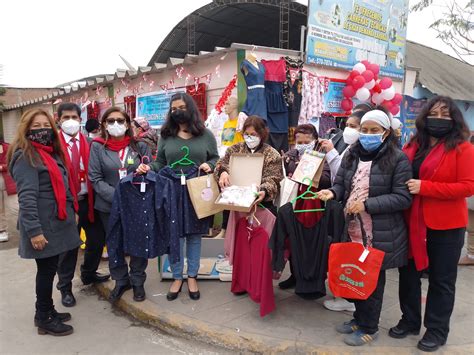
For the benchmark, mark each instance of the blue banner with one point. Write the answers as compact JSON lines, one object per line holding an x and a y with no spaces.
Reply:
{"x":342,"y":33}
{"x":154,"y":106}
{"x":333,"y":96}
{"x":409,"y":110}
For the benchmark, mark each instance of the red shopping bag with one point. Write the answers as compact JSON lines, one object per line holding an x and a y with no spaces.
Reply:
{"x":354,"y":269}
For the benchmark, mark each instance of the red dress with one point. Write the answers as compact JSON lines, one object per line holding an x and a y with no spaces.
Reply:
{"x":252,"y":269}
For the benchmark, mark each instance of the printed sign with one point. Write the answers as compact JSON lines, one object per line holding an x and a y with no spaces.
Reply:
{"x":342,"y":33}
{"x":333,"y":96}
{"x":154,"y":106}
{"x":409,"y":110}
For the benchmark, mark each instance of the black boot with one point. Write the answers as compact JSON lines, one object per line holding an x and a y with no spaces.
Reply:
{"x":288,"y":283}
{"x":47,"y":324}
{"x":62,"y":316}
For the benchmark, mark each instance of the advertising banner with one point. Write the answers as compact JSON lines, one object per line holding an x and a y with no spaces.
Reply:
{"x":342,"y":33}
{"x":333,"y":96}
{"x":154,"y":106}
{"x":409,"y":110}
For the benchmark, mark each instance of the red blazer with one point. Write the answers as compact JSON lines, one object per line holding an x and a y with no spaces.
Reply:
{"x":444,"y":196}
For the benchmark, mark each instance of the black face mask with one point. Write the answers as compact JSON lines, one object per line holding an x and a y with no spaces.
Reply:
{"x":42,"y":136}
{"x":180,"y":116}
{"x":438,"y":127}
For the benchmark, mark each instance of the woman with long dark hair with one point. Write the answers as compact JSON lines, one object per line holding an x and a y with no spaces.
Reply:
{"x":443,"y":176}
{"x":371,"y":185}
{"x":47,"y":207}
{"x":112,"y":156}
{"x":184,"y":127}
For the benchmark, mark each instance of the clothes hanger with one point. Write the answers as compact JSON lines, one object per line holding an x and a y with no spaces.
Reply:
{"x":135,"y":174}
{"x":184,"y":160}
{"x":307,"y":195}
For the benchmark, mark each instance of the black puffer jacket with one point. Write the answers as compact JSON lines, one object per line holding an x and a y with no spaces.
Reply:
{"x":388,"y":197}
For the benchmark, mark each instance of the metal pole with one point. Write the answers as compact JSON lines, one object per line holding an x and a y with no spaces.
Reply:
{"x":302,"y":36}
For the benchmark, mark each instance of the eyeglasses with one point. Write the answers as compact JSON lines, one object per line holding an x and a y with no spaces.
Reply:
{"x":113,"y":120}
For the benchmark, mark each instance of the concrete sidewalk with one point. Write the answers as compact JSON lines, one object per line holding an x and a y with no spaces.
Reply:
{"x":296,"y":326}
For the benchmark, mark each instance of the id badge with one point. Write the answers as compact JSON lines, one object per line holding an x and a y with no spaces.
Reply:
{"x":130,"y":161}
{"x":122,"y":173}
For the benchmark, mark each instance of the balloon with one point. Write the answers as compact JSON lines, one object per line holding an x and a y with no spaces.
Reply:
{"x":389,"y":93}
{"x":368,"y":76}
{"x":388,"y":104}
{"x":374,"y":68}
{"x":366,"y":63}
{"x":353,"y":74}
{"x":385,"y":83}
{"x":349,"y":81}
{"x":359,"y":67}
{"x":358,"y":82}
{"x":348,"y":91}
{"x":377,"y":98}
{"x":370,"y":85}
{"x":347,"y":104}
{"x":377,"y":88}
{"x":363,"y":94}
{"x":395,"y":109}
{"x":397,"y":99}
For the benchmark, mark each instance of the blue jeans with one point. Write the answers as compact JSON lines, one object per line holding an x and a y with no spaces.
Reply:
{"x":193,"y":253}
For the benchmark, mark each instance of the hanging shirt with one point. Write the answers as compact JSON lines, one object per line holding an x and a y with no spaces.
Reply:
{"x":309,"y":245}
{"x":252,"y":271}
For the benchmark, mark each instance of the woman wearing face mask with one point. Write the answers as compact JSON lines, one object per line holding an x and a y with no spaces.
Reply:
{"x":112,"y":156}
{"x":184,"y":127}
{"x":371,"y":183}
{"x":255,"y":134}
{"x":46,"y":209}
{"x":144,"y":133}
{"x":443,"y":176}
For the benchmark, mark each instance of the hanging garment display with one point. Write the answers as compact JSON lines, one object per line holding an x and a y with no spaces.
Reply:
{"x":327,"y":122}
{"x":199,"y":97}
{"x":252,"y":270}
{"x":277,"y":111}
{"x":312,"y":98}
{"x":275,"y":70}
{"x":255,"y":78}
{"x":130,"y":105}
{"x":309,"y":246}
{"x":137,"y":224}
{"x":293,"y":94}
{"x":263,"y":215}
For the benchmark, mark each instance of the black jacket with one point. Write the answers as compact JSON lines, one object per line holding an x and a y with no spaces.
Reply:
{"x":388,"y":197}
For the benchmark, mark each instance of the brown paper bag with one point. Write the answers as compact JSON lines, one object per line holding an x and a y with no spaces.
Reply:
{"x":310,"y":168}
{"x":203,"y":191}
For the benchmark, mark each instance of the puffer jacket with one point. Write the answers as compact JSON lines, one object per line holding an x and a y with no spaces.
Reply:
{"x":388,"y":197}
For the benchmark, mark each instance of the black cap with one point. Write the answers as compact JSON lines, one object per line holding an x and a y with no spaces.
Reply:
{"x":91,"y":125}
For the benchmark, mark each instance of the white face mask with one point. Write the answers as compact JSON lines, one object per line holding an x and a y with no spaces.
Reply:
{"x":301,"y":148}
{"x":252,"y":141}
{"x":94,"y":135}
{"x":70,"y":127}
{"x":350,"y":135}
{"x":116,"y":129}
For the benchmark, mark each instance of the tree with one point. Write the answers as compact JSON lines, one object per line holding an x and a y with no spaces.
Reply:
{"x":455,"y":25}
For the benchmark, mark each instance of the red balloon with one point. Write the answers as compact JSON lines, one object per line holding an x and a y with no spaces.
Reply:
{"x":388,"y":104}
{"x":377,"y":89}
{"x":349,"y":81}
{"x":394,"y":109}
{"x":385,"y":83}
{"x":368,"y":75}
{"x":397,"y":99}
{"x":348,"y":91}
{"x":358,"y":82}
{"x":347,"y":104}
{"x":366,"y":63}
{"x":374,"y":68}
{"x":353,"y":74}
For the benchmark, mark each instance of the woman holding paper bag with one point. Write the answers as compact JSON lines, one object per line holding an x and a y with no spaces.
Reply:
{"x":371,"y":182}
{"x":184,"y":127}
{"x":255,"y":134}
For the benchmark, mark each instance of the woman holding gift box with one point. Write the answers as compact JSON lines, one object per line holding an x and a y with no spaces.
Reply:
{"x":371,"y":182}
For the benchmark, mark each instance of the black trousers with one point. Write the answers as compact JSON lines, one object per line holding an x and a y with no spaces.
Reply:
{"x":120,"y":273}
{"x":46,"y":270}
{"x":444,"y":249}
{"x":367,"y":313}
{"x":95,"y":242}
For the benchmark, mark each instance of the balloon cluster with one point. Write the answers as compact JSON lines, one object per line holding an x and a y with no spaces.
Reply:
{"x":363,"y":82}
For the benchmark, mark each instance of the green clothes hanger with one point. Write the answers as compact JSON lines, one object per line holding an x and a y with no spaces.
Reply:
{"x":184,"y":160}
{"x":307,"y":195}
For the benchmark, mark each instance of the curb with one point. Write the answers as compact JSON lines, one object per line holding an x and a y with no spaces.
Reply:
{"x":179,"y":325}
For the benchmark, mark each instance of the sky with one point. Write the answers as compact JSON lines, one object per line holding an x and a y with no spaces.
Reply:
{"x":45,"y":43}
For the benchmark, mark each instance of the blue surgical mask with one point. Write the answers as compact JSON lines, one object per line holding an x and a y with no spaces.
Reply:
{"x":370,"y":142}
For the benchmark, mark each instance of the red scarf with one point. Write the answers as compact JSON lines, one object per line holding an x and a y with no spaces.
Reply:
{"x":414,"y":216}
{"x":84,"y":153}
{"x":114,"y":145}
{"x":45,"y":153}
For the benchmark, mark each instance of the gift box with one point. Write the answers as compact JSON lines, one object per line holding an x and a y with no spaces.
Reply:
{"x":245,"y":174}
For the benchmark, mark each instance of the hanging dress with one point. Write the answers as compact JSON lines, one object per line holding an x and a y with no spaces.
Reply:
{"x":256,"y":103}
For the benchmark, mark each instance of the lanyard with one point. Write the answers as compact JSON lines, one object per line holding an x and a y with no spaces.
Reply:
{"x":122,"y":157}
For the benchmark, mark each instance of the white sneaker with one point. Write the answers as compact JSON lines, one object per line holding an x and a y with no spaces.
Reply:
{"x":339,"y":305}
{"x":3,"y":236}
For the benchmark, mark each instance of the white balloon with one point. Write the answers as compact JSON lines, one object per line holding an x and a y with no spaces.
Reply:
{"x":363,"y":94}
{"x":389,"y":93}
{"x":359,"y":67}
{"x":377,"y":98}
{"x":370,"y":84}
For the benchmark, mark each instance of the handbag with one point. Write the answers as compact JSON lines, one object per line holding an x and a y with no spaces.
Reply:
{"x":203,"y":191}
{"x":354,"y":268}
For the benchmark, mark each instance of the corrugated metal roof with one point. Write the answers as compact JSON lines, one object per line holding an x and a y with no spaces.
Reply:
{"x":440,"y":73}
